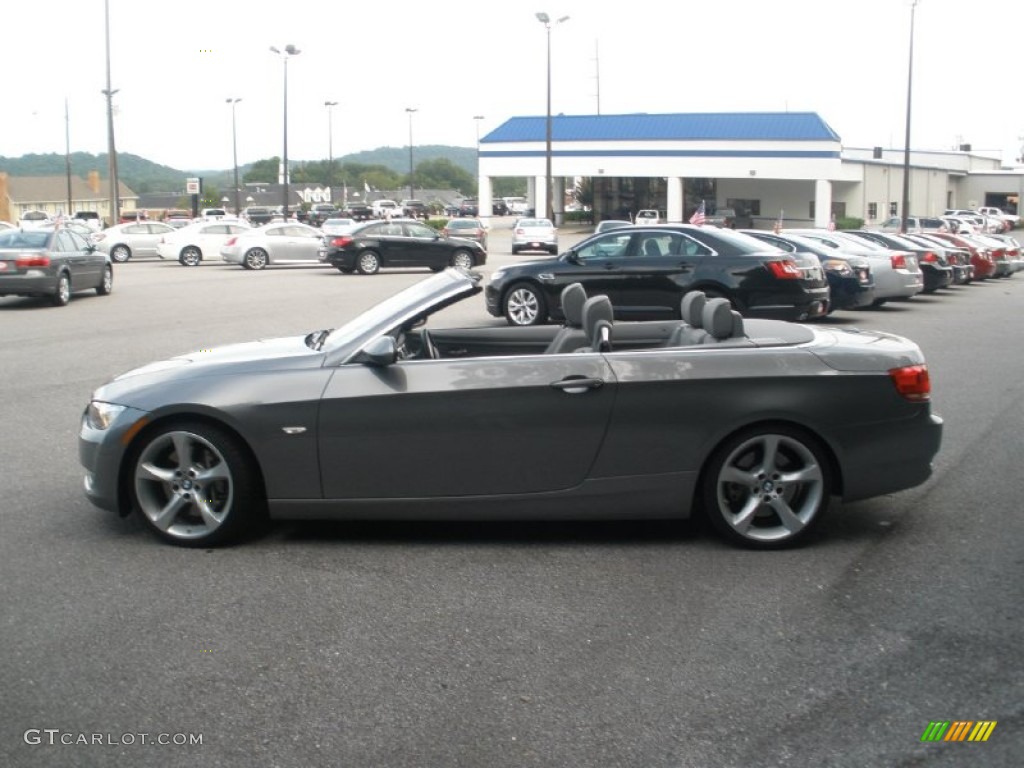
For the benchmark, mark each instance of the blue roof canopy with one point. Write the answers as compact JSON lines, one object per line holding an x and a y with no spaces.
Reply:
{"x":708,"y":126}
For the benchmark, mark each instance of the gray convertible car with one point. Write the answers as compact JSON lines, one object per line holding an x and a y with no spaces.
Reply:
{"x":755,"y":423}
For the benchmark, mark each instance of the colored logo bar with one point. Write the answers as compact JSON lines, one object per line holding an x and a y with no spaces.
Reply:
{"x":958,"y":730}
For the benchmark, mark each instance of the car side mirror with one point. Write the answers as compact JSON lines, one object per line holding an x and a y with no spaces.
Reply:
{"x":571,"y":256}
{"x":381,"y":352}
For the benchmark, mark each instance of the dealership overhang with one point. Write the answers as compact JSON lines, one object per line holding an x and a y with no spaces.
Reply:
{"x":669,"y":150}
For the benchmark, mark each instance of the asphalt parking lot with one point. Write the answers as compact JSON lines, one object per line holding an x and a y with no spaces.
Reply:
{"x":583,"y":644}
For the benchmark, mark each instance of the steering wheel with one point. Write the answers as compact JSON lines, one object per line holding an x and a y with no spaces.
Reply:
{"x":427,"y":343}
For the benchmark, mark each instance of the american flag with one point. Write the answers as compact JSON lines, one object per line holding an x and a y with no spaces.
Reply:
{"x":778,"y":223}
{"x":832,"y":223}
{"x":699,"y":216}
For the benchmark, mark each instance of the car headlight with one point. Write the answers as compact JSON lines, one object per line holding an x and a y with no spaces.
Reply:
{"x":100,"y":415}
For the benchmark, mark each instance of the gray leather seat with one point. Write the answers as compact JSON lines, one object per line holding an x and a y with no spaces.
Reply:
{"x":690,"y":331}
{"x":598,"y":318}
{"x":570,"y":336}
{"x":721,"y":322}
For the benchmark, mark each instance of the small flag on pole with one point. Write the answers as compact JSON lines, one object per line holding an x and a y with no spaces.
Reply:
{"x":699,"y":216}
{"x":778,"y":223}
{"x":832,"y":223}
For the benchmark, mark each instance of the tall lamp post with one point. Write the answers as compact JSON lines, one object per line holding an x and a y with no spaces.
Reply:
{"x":234,"y":154}
{"x":544,"y":19}
{"x":330,"y":142}
{"x":476,"y":120}
{"x":115,"y":205}
{"x":905,"y":204}
{"x":289,"y":51}
{"x":412,"y":184}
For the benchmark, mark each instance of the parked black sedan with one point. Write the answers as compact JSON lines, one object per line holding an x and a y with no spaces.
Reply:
{"x":53,"y":261}
{"x":646,"y":270}
{"x":850,"y":282}
{"x":399,"y":243}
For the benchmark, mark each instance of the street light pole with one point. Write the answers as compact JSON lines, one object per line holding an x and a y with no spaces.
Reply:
{"x":412,"y":184}
{"x":330,"y":142}
{"x":905,"y":204}
{"x":476,"y":120}
{"x":544,"y":19}
{"x":234,"y":153}
{"x":289,"y":51}
{"x":115,"y":205}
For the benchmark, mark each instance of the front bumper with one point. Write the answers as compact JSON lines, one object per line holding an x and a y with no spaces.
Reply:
{"x":101,"y":452}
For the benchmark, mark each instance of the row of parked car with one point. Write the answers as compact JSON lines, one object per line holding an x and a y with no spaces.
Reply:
{"x":789,"y":274}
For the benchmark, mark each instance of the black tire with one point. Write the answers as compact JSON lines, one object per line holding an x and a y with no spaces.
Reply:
{"x":515,"y":250}
{"x":524,"y":304}
{"x":255,"y":258}
{"x":190,"y":256}
{"x":368,"y":263}
{"x":106,"y":285}
{"x":120,"y":253}
{"x":62,"y":291}
{"x":463,"y":260}
{"x":878,"y":302}
{"x":204,"y":501}
{"x":784,"y":466}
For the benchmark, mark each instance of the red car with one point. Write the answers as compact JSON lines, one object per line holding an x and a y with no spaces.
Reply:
{"x":981,"y":256}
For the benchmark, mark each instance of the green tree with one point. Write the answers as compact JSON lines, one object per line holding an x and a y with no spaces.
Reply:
{"x":211,"y":197}
{"x":509,"y":187}
{"x":263,"y":171}
{"x":442,"y":173}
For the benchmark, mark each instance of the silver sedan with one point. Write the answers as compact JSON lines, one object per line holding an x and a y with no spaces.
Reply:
{"x":284,"y":243}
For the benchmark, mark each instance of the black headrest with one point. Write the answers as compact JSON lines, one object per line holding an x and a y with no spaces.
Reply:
{"x":573,"y":298}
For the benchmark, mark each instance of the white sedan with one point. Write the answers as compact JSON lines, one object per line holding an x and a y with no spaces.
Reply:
{"x":135,"y":238}
{"x":285,"y":243}
{"x":200,"y":240}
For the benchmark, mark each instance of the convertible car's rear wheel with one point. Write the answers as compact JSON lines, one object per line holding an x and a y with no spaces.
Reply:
{"x":194,"y":485}
{"x":525,"y":305}
{"x":767,"y":487}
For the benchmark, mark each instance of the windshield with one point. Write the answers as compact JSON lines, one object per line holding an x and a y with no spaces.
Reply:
{"x":399,"y":308}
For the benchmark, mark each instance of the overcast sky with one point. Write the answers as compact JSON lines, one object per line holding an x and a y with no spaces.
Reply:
{"x":175,"y":63}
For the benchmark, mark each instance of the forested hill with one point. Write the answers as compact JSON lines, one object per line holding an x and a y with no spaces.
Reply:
{"x":144,"y":176}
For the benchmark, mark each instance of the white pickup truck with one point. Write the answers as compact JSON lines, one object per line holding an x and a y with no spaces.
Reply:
{"x":386,"y":209}
{"x":998,"y":214}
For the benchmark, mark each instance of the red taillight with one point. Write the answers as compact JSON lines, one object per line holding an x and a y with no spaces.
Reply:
{"x":520,"y":231}
{"x":231,"y":241}
{"x":929,"y":257}
{"x":342,"y":241}
{"x":912,"y":382}
{"x":899,"y":261}
{"x":785,"y":269}
{"x":32,"y":260}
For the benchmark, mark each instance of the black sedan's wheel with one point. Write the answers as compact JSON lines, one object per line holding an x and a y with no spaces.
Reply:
{"x":256,"y":258}
{"x":190,"y":256}
{"x":525,"y":305}
{"x":107,"y":283}
{"x":368,"y":263}
{"x":120,"y":253}
{"x":767,"y":487}
{"x":193,"y":485}
{"x":462,"y":260}
{"x":62,"y":294}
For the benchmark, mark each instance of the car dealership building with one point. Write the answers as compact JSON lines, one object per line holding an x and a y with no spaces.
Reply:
{"x":765,"y":165}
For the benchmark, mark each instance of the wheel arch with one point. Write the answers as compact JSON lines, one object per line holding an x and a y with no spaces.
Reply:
{"x":834,"y":467}
{"x":169,"y":419}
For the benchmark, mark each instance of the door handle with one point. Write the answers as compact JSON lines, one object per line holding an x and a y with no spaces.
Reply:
{"x":576,"y":385}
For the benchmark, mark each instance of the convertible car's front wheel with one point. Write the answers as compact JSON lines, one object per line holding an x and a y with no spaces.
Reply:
{"x":193,"y":485}
{"x":767,"y":487}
